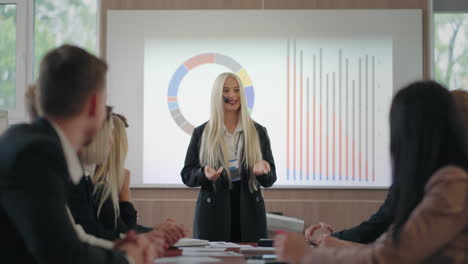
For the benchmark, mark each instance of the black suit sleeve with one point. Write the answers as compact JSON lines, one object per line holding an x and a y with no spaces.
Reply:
{"x":126,"y":221}
{"x":193,"y":174}
{"x":128,"y":216}
{"x":84,"y":210}
{"x":369,"y":230}
{"x":35,"y":203}
{"x":266,"y":180}
{"x":106,"y":220}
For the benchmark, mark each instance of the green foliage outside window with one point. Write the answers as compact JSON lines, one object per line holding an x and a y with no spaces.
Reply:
{"x":451,"y":50}
{"x":64,"y":21}
{"x":7,"y":56}
{"x":56,"y":22}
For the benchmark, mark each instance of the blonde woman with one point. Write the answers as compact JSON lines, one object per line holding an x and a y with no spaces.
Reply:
{"x":112,"y":189}
{"x":81,"y":201}
{"x":230,"y":158}
{"x":112,"y":182}
{"x":33,"y":110}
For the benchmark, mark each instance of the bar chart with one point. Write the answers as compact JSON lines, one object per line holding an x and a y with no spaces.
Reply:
{"x":330,"y":114}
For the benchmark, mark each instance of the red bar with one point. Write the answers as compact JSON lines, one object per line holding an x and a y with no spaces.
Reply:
{"x":347,"y":158}
{"x":326,"y":155}
{"x":294,"y":105}
{"x":172,"y":98}
{"x":367,"y":170}
{"x":360,"y":166}
{"x":333,"y":145}
{"x":320,"y":141}
{"x":339,"y":144}
{"x":353,"y":160}
{"x":307,"y":144}
{"x":313,"y":136}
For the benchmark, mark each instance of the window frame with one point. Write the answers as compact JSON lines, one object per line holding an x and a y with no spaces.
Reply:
{"x":24,"y":26}
{"x":25,"y":43}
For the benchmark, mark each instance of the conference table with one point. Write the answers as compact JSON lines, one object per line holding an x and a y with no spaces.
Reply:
{"x":251,"y":257}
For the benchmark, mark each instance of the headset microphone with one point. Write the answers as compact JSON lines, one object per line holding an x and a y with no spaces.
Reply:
{"x":226,"y":100}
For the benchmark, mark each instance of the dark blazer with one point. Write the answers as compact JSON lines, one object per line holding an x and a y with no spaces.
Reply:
{"x":369,"y":230}
{"x":213,"y":212}
{"x":83,"y":204}
{"x":34,"y":187}
{"x":84,"y":208}
{"x":126,"y":221}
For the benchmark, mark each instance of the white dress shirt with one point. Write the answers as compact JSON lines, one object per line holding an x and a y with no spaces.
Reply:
{"x":234,"y":144}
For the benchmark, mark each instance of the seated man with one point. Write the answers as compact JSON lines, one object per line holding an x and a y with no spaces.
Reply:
{"x":39,"y":164}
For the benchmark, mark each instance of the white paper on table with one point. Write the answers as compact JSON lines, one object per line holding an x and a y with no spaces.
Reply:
{"x":222,"y":244}
{"x":191,"y":242}
{"x":270,"y":256}
{"x":256,"y":261}
{"x":258,"y":250}
{"x":203,"y":249}
{"x":212,"y":254}
{"x":189,"y":260}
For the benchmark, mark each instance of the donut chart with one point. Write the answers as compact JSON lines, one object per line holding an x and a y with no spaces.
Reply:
{"x":193,"y":62}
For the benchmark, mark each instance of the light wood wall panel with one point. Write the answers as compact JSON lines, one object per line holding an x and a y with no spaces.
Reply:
{"x":341,"y":208}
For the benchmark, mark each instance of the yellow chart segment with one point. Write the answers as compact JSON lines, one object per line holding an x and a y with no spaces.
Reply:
{"x":244,"y":78}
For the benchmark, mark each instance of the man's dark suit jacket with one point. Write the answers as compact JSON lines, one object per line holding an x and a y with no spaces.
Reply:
{"x":369,"y":230}
{"x":34,"y":186}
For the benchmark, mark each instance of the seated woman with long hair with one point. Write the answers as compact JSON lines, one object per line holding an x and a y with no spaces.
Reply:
{"x":429,"y":160}
{"x":112,"y":188}
{"x":368,"y":231}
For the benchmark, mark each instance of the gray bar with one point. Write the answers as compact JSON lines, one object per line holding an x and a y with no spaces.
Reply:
{"x":360,"y":115}
{"x":346,"y":119}
{"x":373,"y":117}
{"x":367,"y":116}
{"x":313,"y":127}
{"x":327,"y":129}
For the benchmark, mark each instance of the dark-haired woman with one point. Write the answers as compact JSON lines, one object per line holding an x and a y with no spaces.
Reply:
{"x":430,"y":181}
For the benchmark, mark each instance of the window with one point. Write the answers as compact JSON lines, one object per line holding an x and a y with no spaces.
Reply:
{"x":30,"y":28}
{"x":7,"y":56}
{"x":13,"y":57}
{"x":450,"y":49}
{"x":450,"y":43}
{"x":57,"y":22}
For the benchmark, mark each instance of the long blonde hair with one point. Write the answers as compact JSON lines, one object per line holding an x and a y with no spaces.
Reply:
{"x":213,"y":150}
{"x":32,"y":103}
{"x":109,"y":176}
{"x":98,"y":151}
